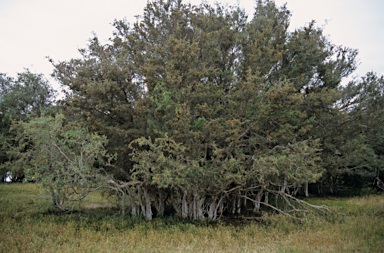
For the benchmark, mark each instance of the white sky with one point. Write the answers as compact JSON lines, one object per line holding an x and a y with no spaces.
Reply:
{"x":30,"y":30}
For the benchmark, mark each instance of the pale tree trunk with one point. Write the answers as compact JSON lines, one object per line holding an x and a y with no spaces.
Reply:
{"x":196,"y":206}
{"x":233,"y":204}
{"x":134,"y":207}
{"x":141,"y":201}
{"x":295,"y":190}
{"x":220,"y":207}
{"x":319,"y":187}
{"x":148,"y":210}
{"x":200,"y":204}
{"x":201,"y":211}
{"x":238,"y":210}
{"x":123,"y":197}
{"x":258,"y":197}
{"x":245,"y":201}
{"x":282,"y":187}
{"x":286,"y":188}
{"x":215,"y":208}
{"x":191,"y":207}
{"x":176,"y":205}
{"x":306,"y":193}
{"x":145,"y":204}
{"x":57,"y":199}
{"x":184,"y":205}
{"x":212,"y":211}
{"x":159,"y":202}
{"x":331,"y":185}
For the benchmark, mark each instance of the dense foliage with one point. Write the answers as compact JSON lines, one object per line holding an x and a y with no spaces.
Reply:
{"x":210,"y":109}
{"x":211,"y":112}
{"x":21,"y":98}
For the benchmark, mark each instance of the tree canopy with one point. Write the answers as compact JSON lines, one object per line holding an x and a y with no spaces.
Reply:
{"x":22,"y":98}
{"x":210,"y":111}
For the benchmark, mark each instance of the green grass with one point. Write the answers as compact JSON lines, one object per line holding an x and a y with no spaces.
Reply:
{"x":27,"y":224}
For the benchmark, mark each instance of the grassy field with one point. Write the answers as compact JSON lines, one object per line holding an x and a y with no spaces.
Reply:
{"x":27,"y":224}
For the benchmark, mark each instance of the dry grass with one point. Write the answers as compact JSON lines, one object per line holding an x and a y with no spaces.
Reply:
{"x":28,"y":225}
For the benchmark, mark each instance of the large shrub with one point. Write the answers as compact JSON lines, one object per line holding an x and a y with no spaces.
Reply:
{"x":63,"y":156}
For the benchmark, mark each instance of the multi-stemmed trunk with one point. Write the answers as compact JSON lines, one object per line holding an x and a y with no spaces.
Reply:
{"x":145,"y":203}
{"x":236,"y":204}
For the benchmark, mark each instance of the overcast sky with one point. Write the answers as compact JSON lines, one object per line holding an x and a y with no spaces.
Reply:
{"x":31,"y":30}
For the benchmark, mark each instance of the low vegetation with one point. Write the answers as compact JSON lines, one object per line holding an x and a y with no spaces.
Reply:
{"x":29,"y":224}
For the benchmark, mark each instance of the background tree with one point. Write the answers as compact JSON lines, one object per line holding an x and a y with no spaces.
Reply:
{"x":22,"y":98}
{"x":363,"y":100}
{"x":29,"y":93}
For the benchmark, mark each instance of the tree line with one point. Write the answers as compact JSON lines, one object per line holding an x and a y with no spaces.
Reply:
{"x":202,"y":111}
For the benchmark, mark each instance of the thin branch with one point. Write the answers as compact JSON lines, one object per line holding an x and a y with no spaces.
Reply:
{"x":274,"y":208}
{"x":54,"y":144}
